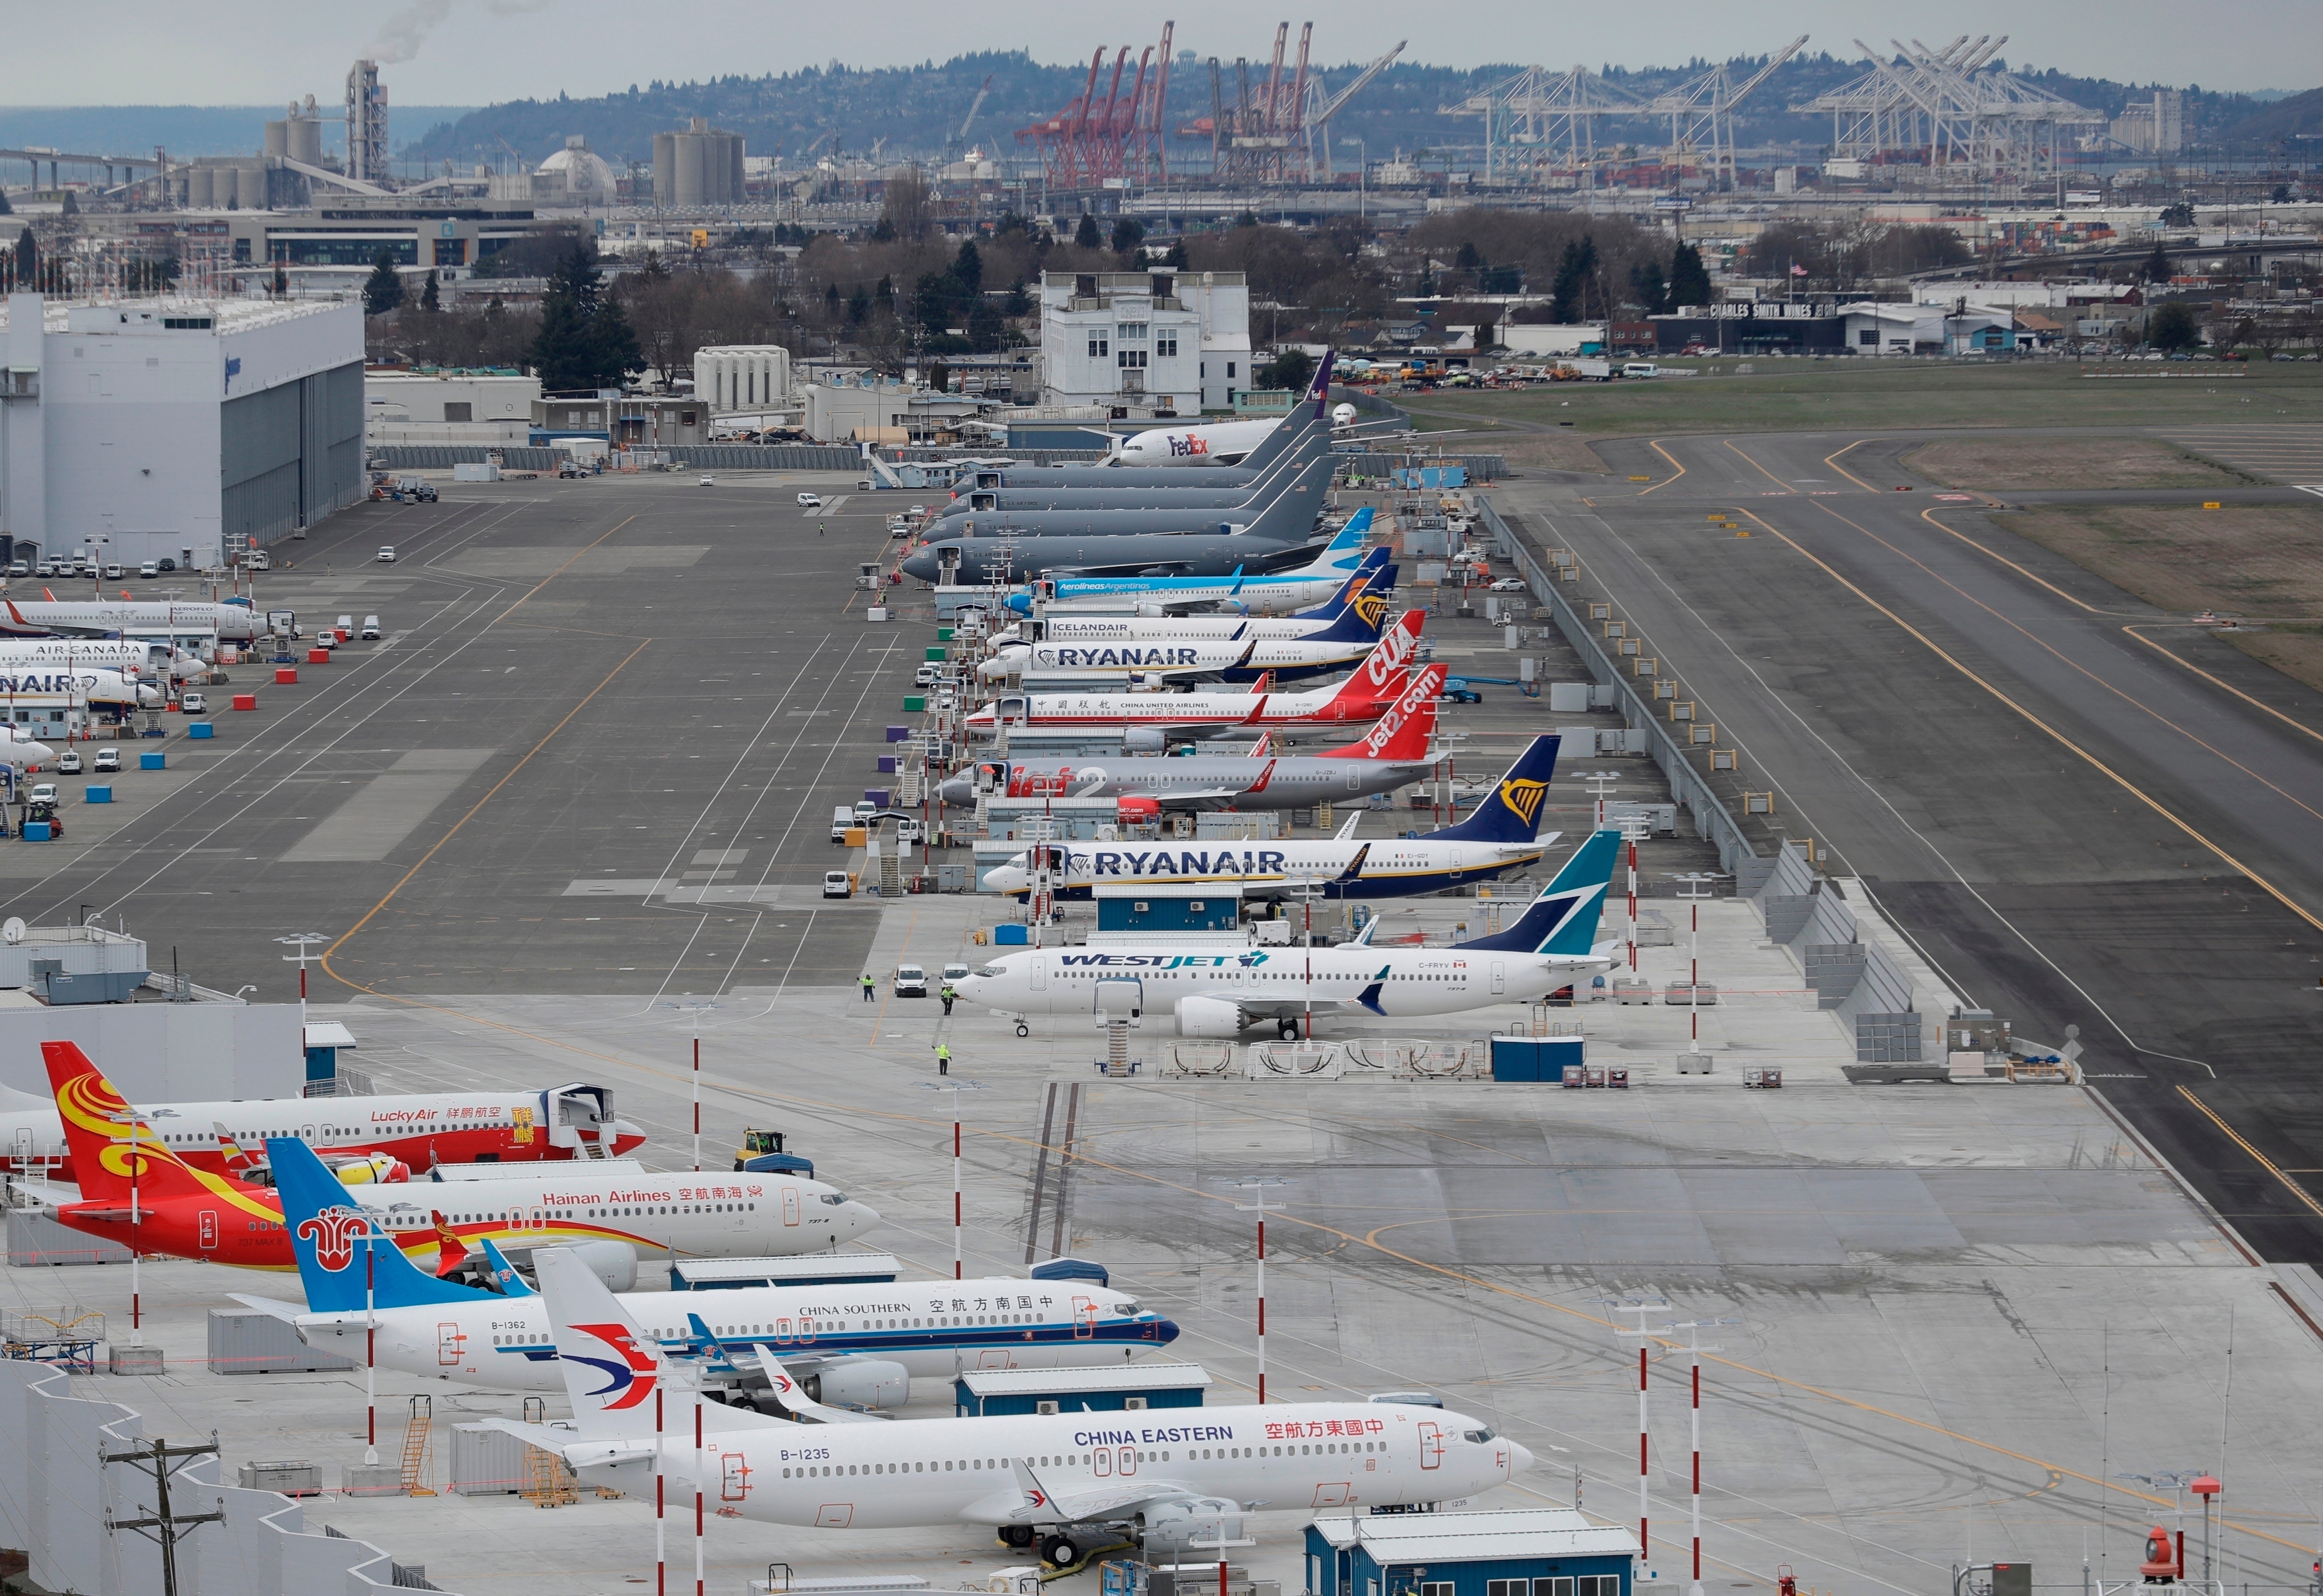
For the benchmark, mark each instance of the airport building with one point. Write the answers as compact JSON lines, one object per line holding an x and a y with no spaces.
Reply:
{"x":489,"y":408}
{"x":1144,"y":340}
{"x":162,"y":428}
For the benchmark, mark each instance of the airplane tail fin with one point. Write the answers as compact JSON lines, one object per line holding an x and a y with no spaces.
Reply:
{"x":450,"y":1252}
{"x":1564,"y":918}
{"x":1512,"y":813}
{"x":335,"y":1239}
{"x":610,"y":1367}
{"x":1344,"y":553}
{"x":1319,"y":390}
{"x":1380,"y":674}
{"x":504,"y":1272}
{"x":1289,"y":516}
{"x":1404,"y":733}
{"x":100,"y":1128}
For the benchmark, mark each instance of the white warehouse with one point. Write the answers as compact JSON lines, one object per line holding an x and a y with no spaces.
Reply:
{"x":1144,"y":340}
{"x":735,"y":377}
{"x":147,"y":429}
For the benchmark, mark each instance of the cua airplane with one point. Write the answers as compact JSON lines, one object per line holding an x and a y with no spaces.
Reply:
{"x":1223,"y":994}
{"x":1068,"y":1482}
{"x":850,"y":1342}
{"x":175,"y":1209}
{"x":1502,"y":835}
{"x":420,"y":1129}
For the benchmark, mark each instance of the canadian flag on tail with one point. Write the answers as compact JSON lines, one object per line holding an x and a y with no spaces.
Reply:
{"x":1406,"y":732}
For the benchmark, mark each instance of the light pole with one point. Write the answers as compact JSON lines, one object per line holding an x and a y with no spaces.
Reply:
{"x":1645,"y":1547}
{"x":1695,"y":1349}
{"x":955,"y":1086}
{"x":137,"y":1134}
{"x":304,"y":941}
{"x":696,"y":1006}
{"x":1694,"y":885}
{"x":1602,"y":783}
{"x":1260,"y":1186}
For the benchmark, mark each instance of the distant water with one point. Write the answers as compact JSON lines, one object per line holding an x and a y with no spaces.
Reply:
{"x":187,"y":131}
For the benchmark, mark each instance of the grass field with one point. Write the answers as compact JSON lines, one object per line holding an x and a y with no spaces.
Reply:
{"x":1834,"y":394}
{"x":2024,"y":463}
{"x":2263,"y":563}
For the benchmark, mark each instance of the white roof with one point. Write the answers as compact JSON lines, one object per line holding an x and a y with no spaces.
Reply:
{"x":1108,"y":1377}
{"x":528,"y":1170}
{"x":1195,"y":890}
{"x":1522,"y":1532}
{"x":328,"y":1033}
{"x":226,"y":315}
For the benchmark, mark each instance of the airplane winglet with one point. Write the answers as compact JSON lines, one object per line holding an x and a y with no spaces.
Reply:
{"x":1369,"y":997}
{"x":1037,"y":1499}
{"x":504,"y":1272}
{"x":1354,"y":870}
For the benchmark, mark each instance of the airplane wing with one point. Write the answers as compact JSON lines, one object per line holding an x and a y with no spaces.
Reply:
{"x":288,"y":1312}
{"x":1216,"y":798}
{"x":578,"y":1453}
{"x":1032,"y":1502}
{"x":1348,"y":830}
{"x":53,"y":1193}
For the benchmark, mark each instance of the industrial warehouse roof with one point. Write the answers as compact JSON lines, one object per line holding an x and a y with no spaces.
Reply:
{"x":1112,"y":1376}
{"x":225,"y":315}
{"x":1477,"y":1537}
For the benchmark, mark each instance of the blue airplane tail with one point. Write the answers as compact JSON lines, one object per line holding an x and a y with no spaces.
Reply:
{"x":1512,"y":813}
{"x":330,"y":1234}
{"x":1564,"y":918}
{"x":1344,"y":553}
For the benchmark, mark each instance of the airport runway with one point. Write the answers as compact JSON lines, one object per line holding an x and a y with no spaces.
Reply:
{"x":2021,"y":764}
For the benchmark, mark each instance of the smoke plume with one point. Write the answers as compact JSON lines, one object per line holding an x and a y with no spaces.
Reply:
{"x":401,"y":35}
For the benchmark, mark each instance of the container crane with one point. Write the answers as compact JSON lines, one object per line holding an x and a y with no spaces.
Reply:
{"x":1318,"y":121}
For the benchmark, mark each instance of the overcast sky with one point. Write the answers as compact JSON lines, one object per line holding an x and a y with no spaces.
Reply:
{"x":477,"y":51}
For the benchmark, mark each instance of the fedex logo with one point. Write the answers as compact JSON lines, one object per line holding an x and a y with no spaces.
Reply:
{"x":1187,"y":446}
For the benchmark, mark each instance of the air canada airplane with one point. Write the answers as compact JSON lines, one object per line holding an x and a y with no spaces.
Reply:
{"x":850,"y":1344}
{"x":1223,"y":993}
{"x":1068,"y":1481}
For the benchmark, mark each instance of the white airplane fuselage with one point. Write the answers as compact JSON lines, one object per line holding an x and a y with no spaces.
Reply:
{"x":1394,"y":866}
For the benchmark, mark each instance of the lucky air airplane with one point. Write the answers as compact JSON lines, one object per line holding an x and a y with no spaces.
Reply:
{"x":850,"y":1342}
{"x":189,"y":1213}
{"x":1368,"y":592}
{"x":1501,"y":835}
{"x":54,"y":618}
{"x":1333,"y":648}
{"x":1271,"y":594}
{"x":1068,"y":1481}
{"x":1219,"y":994}
{"x":421,"y":1129}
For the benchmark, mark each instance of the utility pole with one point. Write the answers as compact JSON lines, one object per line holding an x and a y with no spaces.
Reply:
{"x":696,"y":1006}
{"x":1260,"y":1184}
{"x":163,"y":1527}
{"x":955,"y":1086}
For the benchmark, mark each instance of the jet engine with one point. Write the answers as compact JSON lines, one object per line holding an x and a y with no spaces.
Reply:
{"x":860,"y":1383}
{"x":1343,"y":415}
{"x":1202,"y":1521}
{"x":613,"y":1262}
{"x":1143,"y":739}
{"x":1210,"y":1016}
{"x":379,"y":1169}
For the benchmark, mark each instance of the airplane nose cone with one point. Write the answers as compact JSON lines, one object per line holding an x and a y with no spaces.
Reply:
{"x":958,"y":793}
{"x":860,"y":1217}
{"x":1520,"y":1458}
{"x":1006,"y":878}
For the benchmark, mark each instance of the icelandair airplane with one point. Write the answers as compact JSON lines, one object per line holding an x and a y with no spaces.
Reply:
{"x":1502,"y":835}
{"x":850,"y":1342}
{"x":1219,"y":994}
{"x":420,"y":1129}
{"x":183,"y":1211}
{"x":1270,"y":594}
{"x":1068,"y":1481}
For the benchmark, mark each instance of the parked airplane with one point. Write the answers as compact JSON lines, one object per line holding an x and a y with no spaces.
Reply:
{"x":1501,"y":835}
{"x":859,"y":1342}
{"x":1218,"y":443}
{"x":1145,"y":720}
{"x":1236,"y":591}
{"x":56,"y":618}
{"x":1333,"y":648}
{"x":1225,"y":993}
{"x":1393,"y":752}
{"x":1214,"y":491}
{"x":1280,"y":507}
{"x":1368,"y":591}
{"x":1068,"y":1481}
{"x":71,"y":685}
{"x":1299,"y":430}
{"x":21,"y":750}
{"x":156,"y":661}
{"x":421,"y":1129}
{"x":176,"y":1209}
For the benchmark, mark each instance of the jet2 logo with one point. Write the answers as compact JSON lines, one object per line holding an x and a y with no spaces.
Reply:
{"x":333,"y":1233}
{"x":632,"y":1378}
{"x":1523,"y":797}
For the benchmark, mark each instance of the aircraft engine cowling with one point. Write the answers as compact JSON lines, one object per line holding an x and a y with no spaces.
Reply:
{"x":613,"y":1262}
{"x":1143,"y":739}
{"x":861,"y":1382}
{"x":1182,"y":1525}
{"x":1149,"y":610}
{"x":1210,"y":1016}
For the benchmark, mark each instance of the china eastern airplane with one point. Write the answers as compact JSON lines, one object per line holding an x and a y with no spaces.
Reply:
{"x":1219,"y":994}
{"x":1269,"y":593}
{"x":1069,"y":1482}
{"x":420,"y":1129}
{"x":64,"y":617}
{"x":1367,"y":591}
{"x":176,"y":1209}
{"x":850,"y":1342}
{"x":1501,"y":835}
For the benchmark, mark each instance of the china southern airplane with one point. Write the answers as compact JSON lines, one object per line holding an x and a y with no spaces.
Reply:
{"x":1502,"y":835}
{"x":849,"y":1343}
{"x":1223,"y":994}
{"x":1068,"y":1481}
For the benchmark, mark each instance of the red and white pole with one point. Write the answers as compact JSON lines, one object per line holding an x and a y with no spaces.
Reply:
{"x":1633,"y":907}
{"x":698,"y":1463}
{"x":697,"y":1092}
{"x":1262,"y":1303}
{"x":1644,"y":1547}
{"x":1693,"y":1023}
{"x":370,"y":1353}
{"x":661,"y":1504}
{"x":958,"y":1272}
{"x":1697,"y":1474}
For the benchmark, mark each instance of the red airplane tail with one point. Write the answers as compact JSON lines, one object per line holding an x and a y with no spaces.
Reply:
{"x":1406,"y":732}
{"x":1376,"y":679}
{"x":450,"y":1252}
{"x":107,"y":1138}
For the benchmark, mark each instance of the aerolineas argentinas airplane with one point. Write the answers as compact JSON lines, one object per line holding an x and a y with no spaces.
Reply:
{"x":1223,"y":994}
{"x":1070,"y":1482}
{"x":850,"y":1342}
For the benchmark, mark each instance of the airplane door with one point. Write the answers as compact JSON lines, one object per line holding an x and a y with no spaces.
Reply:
{"x":782,"y":1332}
{"x":790,"y":1205}
{"x":208,"y":1227}
{"x":1500,"y":976}
{"x":1431,"y":1445}
{"x":540,"y":1220}
{"x":1084,"y":1318}
{"x":23,"y":1153}
{"x":1040,"y":972}
{"x":451,"y":1344}
{"x":734,"y":1482}
{"x":1354,"y":778}
{"x":1104,"y":1456}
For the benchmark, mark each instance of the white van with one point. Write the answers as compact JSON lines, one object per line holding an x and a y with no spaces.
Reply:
{"x":842,"y":822}
{"x":1641,"y":367}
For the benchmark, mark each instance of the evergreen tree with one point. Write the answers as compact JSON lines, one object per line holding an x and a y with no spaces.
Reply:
{"x":883,"y":231}
{"x":1128,"y":233}
{"x":4,"y":210}
{"x":1689,"y":279}
{"x":429,"y":301}
{"x":282,"y":280}
{"x":884,"y":296}
{"x":1086,"y":235}
{"x":71,"y":206}
{"x":382,"y":290}
{"x":2157,"y":265}
{"x":2173,"y":327}
{"x":1019,"y":301}
{"x":939,"y":378}
{"x":968,"y":267}
{"x":585,"y":340}
{"x":859,"y":306}
{"x":615,"y":342}
{"x":1569,"y":296}
{"x":1175,"y":259}
{"x":28,"y":259}
{"x":1653,"y":294}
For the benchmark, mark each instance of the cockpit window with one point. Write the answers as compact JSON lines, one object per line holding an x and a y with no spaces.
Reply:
{"x":1479,"y":1436}
{"x":1128,"y":1309}
{"x":994,"y":970}
{"x":834,"y":1198}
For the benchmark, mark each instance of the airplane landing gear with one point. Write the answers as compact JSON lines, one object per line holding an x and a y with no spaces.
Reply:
{"x":1060,"y":1551}
{"x":1018,"y":1536}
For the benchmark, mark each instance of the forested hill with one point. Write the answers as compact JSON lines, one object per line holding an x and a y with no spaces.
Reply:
{"x":917,"y":110}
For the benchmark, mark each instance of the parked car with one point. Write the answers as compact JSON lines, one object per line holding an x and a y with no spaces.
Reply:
{"x":149,"y":568}
{"x":811,"y":500}
{"x":19,"y":568}
{"x":925,"y":676}
{"x":370,"y":627}
{"x":954,"y":973}
{"x":115,"y":573}
{"x":709,"y":481}
{"x":919,"y":512}
{"x":42,"y":792}
{"x":911,"y":981}
{"x":327,"y":638}
{"x":168,"y":566}
{"x":69,"y":762}
{"x":565,"y":468}
{"x":44,"y":569}
{"x":842,"y":822}
{"x":108,"y":759}
{"x":910,"y":830}
{"x":838,"y":883}
{"x":1508,"y":584}
{"x":258,"y":560}
{"x":387,"y":556}
{"x":192,"y":703}
{"x":418,"y":490}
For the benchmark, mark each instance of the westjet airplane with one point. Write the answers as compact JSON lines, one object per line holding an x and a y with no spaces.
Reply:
{"x":1223,"y":994}
{"x":1070,"y":1482}
{"x":848,"y":1343}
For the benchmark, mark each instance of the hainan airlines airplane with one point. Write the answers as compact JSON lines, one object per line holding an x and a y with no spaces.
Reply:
{"x":1225,"y":993}
{"x":1068,"y":1481}
{"x":850,"y":1342}
{"x":173,"y":1208}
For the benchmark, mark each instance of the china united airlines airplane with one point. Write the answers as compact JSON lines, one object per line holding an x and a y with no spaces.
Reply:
{"x":1068,"y":1482}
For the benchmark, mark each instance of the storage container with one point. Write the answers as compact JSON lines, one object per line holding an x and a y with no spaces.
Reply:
{"x":94,"y":793}
{"x":152,"y":759}
{"x":285,"y":675}
{"x":201,"y":730}
{"x":246,"y":1341}
{"x":486,"y":1462}
{"x":245,"y":701}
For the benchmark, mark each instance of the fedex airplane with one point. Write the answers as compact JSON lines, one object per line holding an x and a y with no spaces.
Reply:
{"x":1216,"y":994}
{"x":1216,"y":443}
{"x":418,"y":1129}
{"x":1271,"y":593}
{"x":1501,"y":835}
{"x":1068,"y":1481}
{"x":57,"y":617}
{"x":173,"y":1208}
{"x":859,"y":1342}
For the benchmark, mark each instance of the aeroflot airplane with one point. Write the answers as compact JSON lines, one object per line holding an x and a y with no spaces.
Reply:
{"x":1070,"y":1482}
{"x":850,"y":1342}
{"x":1223,"y":994}
{"x":1502,"y":835}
